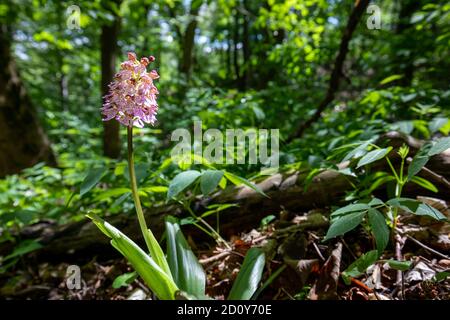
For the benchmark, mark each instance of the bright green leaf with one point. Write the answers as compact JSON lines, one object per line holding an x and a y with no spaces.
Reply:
{"x":344,"y":224}
{"x":124,"y":279}
{"x":424,"y":183}
{"x":249,"y":276}
{"x":92,"y":178}
{"x":399,"y":265}
{"x":156,"y":279}
{"x":181,"y":182}
{"x":379,"y":228}
{"x":187,"y":272}
{"x":440,"y":146}
{"x":209,"y":180}
{"x":373,"y":156}
{"x":236,"y":180}
{"x":360,"y":266}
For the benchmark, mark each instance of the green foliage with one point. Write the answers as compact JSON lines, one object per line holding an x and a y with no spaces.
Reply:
{"x":359,"y":266}
{"x":249,"y":276}
{"x":187,"y":272}
{"x":157,"y":279}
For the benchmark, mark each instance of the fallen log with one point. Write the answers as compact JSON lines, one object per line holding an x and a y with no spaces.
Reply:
{"x":286,"y":192}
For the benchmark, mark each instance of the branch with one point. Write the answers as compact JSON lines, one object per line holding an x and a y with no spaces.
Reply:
{"x":333,"y":86}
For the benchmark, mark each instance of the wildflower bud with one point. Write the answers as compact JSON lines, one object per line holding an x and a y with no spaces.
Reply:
{"x":131,"y":56}
{"x":151,"y":59}
{"x":145,"y":61}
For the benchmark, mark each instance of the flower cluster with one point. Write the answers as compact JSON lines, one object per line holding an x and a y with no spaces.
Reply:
{"x":132,"y":96}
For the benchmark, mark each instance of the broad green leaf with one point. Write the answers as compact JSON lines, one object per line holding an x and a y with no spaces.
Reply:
{"x":440,"y":146}
{"x":156,"y":279}
{"x":405,"y":204}
{"x":373,"y":156}
{"x":124,"y":279}
{"x":417,"y":208}
{"x":375,"y":202}
{"x":360,"y":266}
{"x":181,"y":182}
{"x":24,"y":247}
{"x":236,"y":180}
{"x":424,"y":183}
{"x":349,"y":208}
{"x":25,"y":216}
{"x":399,"y":265}
{"x":344,"y":224}
{"x":437,"y":123}
{"x":357,"y":152}
{"x":380,"y":181}
{"x":417,"y":163}
{"x":209,"y":180}
{"x":427,"y":210}
{"x":156,"y":253}
{"x":92,"y":178}
{"x":379,"y":228}
{"x":187,"y":272}
{"x":249,"y":276}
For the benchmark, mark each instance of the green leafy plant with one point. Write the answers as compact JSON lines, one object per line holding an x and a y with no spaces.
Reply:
{"x":380,"y":218}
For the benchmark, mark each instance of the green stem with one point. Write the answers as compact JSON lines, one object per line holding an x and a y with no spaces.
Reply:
{"x":134,"y":190}
{"x":393,"y":170}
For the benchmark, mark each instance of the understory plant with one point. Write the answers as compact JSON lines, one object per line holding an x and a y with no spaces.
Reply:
{"x":380,"y":218}
{"x":179,"y":275}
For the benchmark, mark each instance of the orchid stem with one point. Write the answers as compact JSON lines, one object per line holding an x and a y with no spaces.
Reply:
{"x":134,"y":190}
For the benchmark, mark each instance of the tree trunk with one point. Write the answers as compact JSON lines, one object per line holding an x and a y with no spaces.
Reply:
{"x":246,"y":50}
{"x":108,"y":43}
{"x":23,"y":143}
{"x":404,"y":63}
{"x":236,"y":41}
{"x":188,"y":40}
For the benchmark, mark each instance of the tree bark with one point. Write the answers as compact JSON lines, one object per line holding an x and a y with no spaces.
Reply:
{"x":404,"y":64}
{"x":333,"y":86}
{"x":108,"y":43}
{"x":237,"y":70}
{"x":188,"y":40}
{"x":246,"y":49}
{"x":23,"y":142}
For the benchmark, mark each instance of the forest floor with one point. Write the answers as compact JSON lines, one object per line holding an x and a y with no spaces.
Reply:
{"x":299,"y":266}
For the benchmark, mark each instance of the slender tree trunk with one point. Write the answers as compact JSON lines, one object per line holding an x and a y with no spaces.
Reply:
{"x":237,"y":70}
{"x":108,"y":42}
{"x":23,"y":142}
{"x":246,"y":49}
{"x":229,"y":54}
{"x":188,"y":41}
{"x":404,"y":63}
{"x":62,"y":79}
